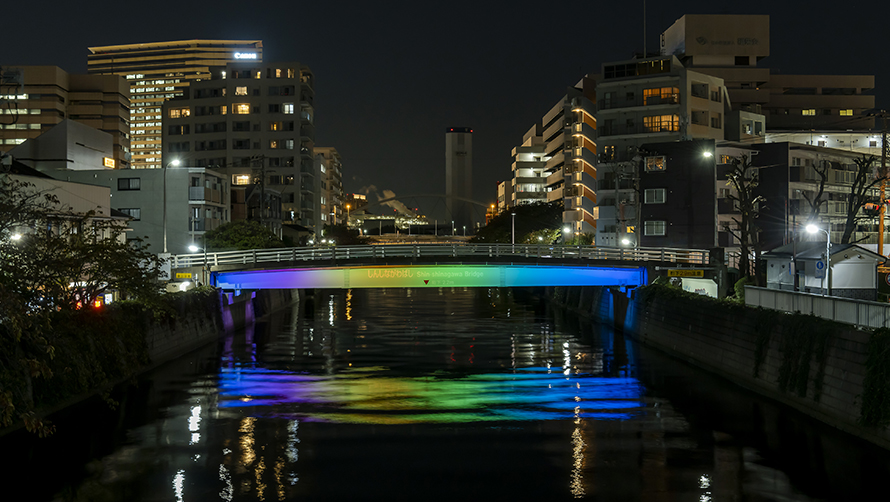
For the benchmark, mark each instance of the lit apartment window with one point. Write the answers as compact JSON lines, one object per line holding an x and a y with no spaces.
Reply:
{"x":241,"y":109}
{"x":277,"y":72}
{"x":662,"y":123}
{"x":176,"y":113}
{"x":655,"y":163}
{"x":661,"y":95}
{"x":808,"y":111}
{"x":847,"y":113}
{"x":258,"y":74}
{"x":223,"y":109}
{"x":287,"y":108}
{"x":275,"y":126}
{"x":654,"y":227}
{"x":241,"y":179}
{"x":655,"y":195}
{"x":241,"y":90}
{"x":291,"y":73}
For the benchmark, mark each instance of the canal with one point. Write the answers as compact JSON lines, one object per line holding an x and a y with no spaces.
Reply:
{"x":463,"y":394}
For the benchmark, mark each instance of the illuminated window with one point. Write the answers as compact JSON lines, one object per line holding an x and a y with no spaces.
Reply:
{"x":241,"y":179}
{"x":661,"y":95}
{"x":176,"y":113}
{"x":258,"y":74}
{"x":223,"y":109}
{"x":277,"y":72}
{"x":655,"y":163}
{"x":274,"y":143}
{"x":241,"y":90}
{"x":287,"y":108}
{"x":275,"y":126}
{"x":654,"y":227}
{"x":241,"y":109}
{"x":662,"y":123}
{"x":847,"y":113}
{"x":290,"y":73}
{"x":808,"y":111}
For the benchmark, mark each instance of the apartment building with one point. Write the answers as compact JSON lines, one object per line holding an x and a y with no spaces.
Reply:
{"x":169,"y":208}
{"x":158,"y":71}
{"x":557,"y":159}
{"x":329,"y":165}
{"x":651,"y":100}
{"x":732,"y":47}
{"x":254,"y":122}
{"x":41,"y":97}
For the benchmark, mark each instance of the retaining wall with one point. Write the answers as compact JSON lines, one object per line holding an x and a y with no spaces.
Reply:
{"x":812,"y":365}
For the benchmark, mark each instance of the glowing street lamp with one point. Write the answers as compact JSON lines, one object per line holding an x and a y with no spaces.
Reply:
{"x":194,"y":249}
{"x":826,"y":277}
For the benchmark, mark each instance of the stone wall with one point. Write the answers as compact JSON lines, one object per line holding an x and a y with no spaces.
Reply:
{"x":813,"y":365}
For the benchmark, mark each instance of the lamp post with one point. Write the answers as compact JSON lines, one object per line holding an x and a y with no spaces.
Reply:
{"x":173,"y":163}
{"x":565,"y":234}
{"x":347,"y":215}
{"x":194,"y":249}
{"x":826,"y":278}
{"x":512,"y":228}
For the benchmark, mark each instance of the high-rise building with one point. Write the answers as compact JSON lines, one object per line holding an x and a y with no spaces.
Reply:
{"x":732,"y":46}
{"x":330,"y":169}
{"x":160,"y":71}
{"x":253,"y":122}
{"x":43,"y":97}
{"x":557,"y":159}
{"x":459,"y":175}
{"x":651,"y":100}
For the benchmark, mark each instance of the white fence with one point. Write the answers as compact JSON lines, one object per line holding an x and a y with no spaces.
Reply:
{"x":470,"y":252}
{"x":845,"y":310}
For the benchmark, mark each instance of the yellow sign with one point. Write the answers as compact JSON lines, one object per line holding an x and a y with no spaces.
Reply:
{"x":686,"y":273}
{"x":108,"y":161}
{"x":183,"y":275}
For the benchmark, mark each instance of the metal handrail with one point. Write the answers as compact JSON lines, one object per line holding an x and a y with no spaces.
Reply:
{"x":452,"y":250}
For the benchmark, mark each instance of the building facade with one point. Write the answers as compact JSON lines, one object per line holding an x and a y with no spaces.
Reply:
{"x":169,"y":208}
{"x":329,"y":165}
{"x":732,"y":46}
{"x":253,"y":122}
{"x":459,"y":176}
{"x":43,"y":97}
{"x":158,"y":71}
{"x":652,"y":100}
{"x":557,"y":159}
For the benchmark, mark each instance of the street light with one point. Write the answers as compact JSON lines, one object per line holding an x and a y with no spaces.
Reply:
{"x":565,"y":233}
{"x":513,"y":227}
{"x":347,"y":215}
{"x":826,"y":277}
{"x":173,"y":163}
{"x":194,"y":249}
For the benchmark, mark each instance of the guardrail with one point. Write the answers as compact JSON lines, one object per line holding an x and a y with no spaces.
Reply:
{"x":469,"y":251}
{"x":845,"y":310}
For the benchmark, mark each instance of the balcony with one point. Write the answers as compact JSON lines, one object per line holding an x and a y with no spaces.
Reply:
{"x":611,"y":104}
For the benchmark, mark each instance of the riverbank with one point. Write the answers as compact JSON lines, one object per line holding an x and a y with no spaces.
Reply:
{"x":832,"y":372}
{"x":94,"y":349}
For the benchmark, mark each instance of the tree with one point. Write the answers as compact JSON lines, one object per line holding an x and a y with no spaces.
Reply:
{"x":816,"y":200}
{"x":529,"y":218}
{"x":343,"y":235}
{"x":864,"y":183}
{"x":239,"y":235}
{"x":744,"y":178}
{"x":54,"y":261}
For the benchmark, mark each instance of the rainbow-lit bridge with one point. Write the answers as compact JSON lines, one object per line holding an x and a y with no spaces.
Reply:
{"x":432,"y":266}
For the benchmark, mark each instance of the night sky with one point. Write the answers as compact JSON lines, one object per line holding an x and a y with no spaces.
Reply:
{"x":390,"y":79}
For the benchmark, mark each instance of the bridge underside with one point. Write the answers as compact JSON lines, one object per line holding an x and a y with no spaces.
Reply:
{"x":411,"y":276}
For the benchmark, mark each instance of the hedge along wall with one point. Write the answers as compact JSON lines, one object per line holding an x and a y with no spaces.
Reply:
{"x":830,"y":371}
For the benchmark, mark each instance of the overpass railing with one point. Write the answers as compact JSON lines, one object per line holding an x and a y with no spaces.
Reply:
{"x":496,"y":252}
{"x":845,"y":310}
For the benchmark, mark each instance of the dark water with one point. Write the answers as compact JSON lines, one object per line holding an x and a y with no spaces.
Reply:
{"x":435,"y":395}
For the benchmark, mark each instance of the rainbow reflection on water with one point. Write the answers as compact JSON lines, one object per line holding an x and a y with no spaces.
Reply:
{"x":377,"y":396}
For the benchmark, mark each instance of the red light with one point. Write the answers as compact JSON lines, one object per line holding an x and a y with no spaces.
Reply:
{"x":97,"y":303}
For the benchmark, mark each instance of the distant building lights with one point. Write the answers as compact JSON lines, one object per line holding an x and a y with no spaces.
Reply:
{"x":245,"y":55}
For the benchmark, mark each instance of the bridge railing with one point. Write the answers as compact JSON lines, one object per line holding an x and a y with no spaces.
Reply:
{"x":497,"y":252}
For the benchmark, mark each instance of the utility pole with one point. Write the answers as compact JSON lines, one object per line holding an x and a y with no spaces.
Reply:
{"x":883,"y":174}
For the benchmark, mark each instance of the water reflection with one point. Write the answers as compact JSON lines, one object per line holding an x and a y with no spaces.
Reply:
{"x":443,"y":395}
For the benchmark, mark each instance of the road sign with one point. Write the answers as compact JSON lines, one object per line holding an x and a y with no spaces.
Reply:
{"x":685,"y":272}
{"x":820,"y":269}
{"x":183,"y":275}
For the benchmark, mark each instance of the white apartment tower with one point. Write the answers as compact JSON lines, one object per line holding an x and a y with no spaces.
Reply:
{"x":459,"y":175}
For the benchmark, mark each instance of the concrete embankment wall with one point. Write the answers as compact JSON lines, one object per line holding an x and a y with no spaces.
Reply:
{"x":815,"y":366}
{"x":168,"y":340}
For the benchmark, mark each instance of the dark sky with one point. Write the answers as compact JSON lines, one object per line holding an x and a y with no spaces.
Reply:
{"x":390,"y":78}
